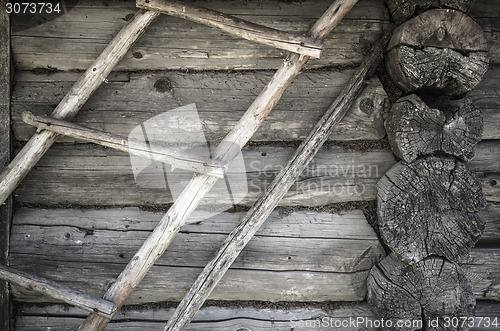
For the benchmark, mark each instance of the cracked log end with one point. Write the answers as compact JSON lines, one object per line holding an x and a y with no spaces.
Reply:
{"x":451,"y":126}
{"x":430,"y":206}
{"x":427,"y":291}
{"x":440,"y":49}
{"x":403,"y":10}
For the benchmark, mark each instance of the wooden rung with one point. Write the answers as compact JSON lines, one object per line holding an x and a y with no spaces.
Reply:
{"x":176,"y":157}
{"x":280,"y":39}
{"x":58,"y":291}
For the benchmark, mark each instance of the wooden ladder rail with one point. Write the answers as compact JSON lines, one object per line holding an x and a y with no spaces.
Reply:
{"x":305,"y":45}
{"x":200,"y":185}
{"x":260,"y":211}
{"x":176,"y":157}
{"x":69,"y":106}
{"x":58,"y":291}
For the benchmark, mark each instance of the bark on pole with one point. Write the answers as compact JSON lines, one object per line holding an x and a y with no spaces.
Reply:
{"x":423,"y":294}
{"x":430,"y":207}
{"x":196,"y":189}
{"x":416,"y":128}
{"x":241,"y":235}
{"x":38,"y":145}
{"x":440,"y":49}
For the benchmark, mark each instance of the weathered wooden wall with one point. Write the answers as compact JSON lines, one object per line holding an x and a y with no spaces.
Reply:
{"x":320,"y":254}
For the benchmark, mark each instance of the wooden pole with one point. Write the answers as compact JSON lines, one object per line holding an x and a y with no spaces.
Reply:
{"x":256,"y":216}
{"x":285,"y":40}
{"x":176,"y":157}
{"x":5,"y":154}
{"x":199,"y":186}
{"x":58,"y":291}
{"x":74,"y":100}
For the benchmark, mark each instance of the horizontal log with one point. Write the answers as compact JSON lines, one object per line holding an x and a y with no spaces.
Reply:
{"x":241,"y":317}
{"x":292,"y":245}
{"x":236,"y":26}
{"x":292,"y":249}
{"x":175,"y":157}
{"x":73,"y":39}
{"x":91,"y":175}
{"x":57,"y":291}
{"x":127,"y":100}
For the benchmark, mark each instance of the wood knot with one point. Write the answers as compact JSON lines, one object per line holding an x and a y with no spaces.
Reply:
{"x":163,"y":85}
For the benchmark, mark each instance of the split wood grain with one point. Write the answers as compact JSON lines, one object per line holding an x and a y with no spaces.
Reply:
{"x":91,"y":175}
{"x":439,"y":124}
{"x":403,"y":10}
{"x":434,"y":51}
{"x":57,"y":291}
{"x":258,"y":214}
{"x":280,"y":39}
{"x":175,"y":157}
{"x":427,"y":291}
{"x":5,"y":157}
{"x":430,"y":207}
{"x":215,"y":318}
{"x":31,"y":153}
{"x":129,"y":99}
{"x":199,"y":186}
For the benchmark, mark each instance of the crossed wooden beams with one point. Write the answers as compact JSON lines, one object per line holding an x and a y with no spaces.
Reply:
{"x":102,"y":310}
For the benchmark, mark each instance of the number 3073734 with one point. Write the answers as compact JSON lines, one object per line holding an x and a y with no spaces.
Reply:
{"x":32,"y":8}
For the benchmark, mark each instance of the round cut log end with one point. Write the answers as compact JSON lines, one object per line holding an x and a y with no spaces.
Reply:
{"x":440,"y":49}
{"x":430,"y":207}
{"x":427,"y":291}
{"x":403,"y":10}
{"x":453,"y":127}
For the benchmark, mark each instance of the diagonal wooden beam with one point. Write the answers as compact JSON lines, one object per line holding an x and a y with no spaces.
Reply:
{"x":257,"y":215}
{"x":199,"y":186}
{"x":58,"y":291}
{"x":173,"y":156}
{"x":296,"y":43}
{"x":91,"y":79}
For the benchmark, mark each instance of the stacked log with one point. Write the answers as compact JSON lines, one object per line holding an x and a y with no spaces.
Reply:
{"x":429,"y":202}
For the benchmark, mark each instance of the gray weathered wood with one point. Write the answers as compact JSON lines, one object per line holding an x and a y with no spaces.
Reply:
{"x":416,"y":128}
{"x":284,"y":40}
{"x":5,"y":156}
{"x":430,"y":207}
{"x":431,"y":289}
{"x":129,"y":99}
{"x":175,"y":43}
{"x":402,"y":10}
{"x":91,"y":175}
{"x":238,"y":317}
{"x":226,"y":151}
{"x":55,"y":243}
{"x":57,"y":291}
{"x":440,"y":49}
{"x":175,"y":157}
{"x":31,"y":153}
{"x":258,"y":214}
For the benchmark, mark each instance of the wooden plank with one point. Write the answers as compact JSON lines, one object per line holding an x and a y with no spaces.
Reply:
{"x":89,"y":175}
{"x":72,"y":40}
{"x":240,"y":236}
{"x":90,"y":80}
{"x":226,"y":150}
{"x":221,"y":98}
{"x":178,"y":158}
{"x":5,"y":156}
{"x":57,"y":291}
{"x":293,"y":246}
{"x":244,"y":29}
{"x":241,"y":317}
